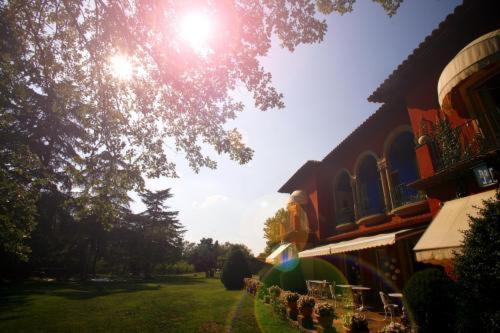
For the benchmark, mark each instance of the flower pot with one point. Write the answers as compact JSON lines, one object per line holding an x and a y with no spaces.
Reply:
{"x":325,"y":321}
{"x":292,"y":305}
{"x":306,"y":312}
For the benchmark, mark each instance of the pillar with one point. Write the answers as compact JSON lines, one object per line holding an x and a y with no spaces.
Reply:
{"x":354,"y":188}
{"x":385,"y":181}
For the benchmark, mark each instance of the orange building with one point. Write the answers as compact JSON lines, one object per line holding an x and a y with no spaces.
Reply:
{"x":394,"y":195}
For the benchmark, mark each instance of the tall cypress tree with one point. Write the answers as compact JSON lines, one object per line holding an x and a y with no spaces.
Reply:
{"x":235,"y":270}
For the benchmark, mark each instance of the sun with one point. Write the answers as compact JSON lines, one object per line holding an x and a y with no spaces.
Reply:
{"x":196,"y":28}
{"x":121,"y":67}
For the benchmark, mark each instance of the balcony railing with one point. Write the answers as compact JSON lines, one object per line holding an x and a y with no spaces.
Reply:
{"x":404,"y":195}
{"x":366,"y":209}
{"x":450,"y":146}
{"x":346,"y":215}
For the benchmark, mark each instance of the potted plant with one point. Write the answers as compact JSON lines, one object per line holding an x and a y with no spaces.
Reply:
{"x":290,"y":299}
{"x":275,"y":292}
{"x":306,"y":305}
{"x":355,"y":323}
{"x":262,"y":292}
{"x":326,"y":314}
{"x":394,"y":327}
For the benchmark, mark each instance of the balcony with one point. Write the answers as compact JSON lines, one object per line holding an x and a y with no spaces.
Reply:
{"x":370,"y":213}
{"x":403,"y":195}
{"x":345,"y":220}
{"x":408,"y":201}
{"x":345,"y":216}
{"x":452,"y":146}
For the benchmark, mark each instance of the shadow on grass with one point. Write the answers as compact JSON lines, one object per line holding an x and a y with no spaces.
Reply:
{"x":16,"y":294}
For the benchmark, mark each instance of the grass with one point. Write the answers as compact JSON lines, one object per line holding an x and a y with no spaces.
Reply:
{"x":173,"y":304}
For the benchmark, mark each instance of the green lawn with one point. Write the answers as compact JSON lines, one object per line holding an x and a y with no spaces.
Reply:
{"x":174,"y":304}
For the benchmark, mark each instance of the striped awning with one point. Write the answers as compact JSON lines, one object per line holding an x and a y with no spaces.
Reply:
{"x":275,"y":256}
{"x":356,"y":244}
{"x":478,"y":54}
{"x":444,"y":236}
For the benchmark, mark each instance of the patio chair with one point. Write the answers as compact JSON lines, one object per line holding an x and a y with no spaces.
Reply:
{"x":388,"y":306}
{"x":332,"y":293}
{"x":323,"y":289}
{"x":311,"y":290}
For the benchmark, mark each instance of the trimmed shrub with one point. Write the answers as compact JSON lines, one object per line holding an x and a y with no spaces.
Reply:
{"x":478,"y":272}
{"x":430,"y":301}
{"x":235,"y":270}
{"x":270,"y":276}
{"x":294,"y":280}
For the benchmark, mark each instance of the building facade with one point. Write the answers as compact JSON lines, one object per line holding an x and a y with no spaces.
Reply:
{"x":394,"y":195}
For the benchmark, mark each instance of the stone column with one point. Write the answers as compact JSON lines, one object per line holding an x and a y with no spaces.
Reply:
{"x":385,"y":181}
{"x":354,"y":189}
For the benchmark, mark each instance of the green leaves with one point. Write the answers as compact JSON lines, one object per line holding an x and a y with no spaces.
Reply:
{"x":272,"y":229}
{"x":346,"y":6}
{"x":478,"y":270}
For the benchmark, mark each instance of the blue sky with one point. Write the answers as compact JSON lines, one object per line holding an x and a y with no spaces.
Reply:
{"x":325,"y":87}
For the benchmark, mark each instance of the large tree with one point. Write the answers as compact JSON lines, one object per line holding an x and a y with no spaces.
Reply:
{"x":204,"y":256}
{"x":161,"y":230}
{"x":272,"y":229}
{"x":93,"y":132}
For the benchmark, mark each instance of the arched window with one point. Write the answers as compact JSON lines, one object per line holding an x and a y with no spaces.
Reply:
{"x":403,"y":169}
{"x":344,"y":202}
{"x":370,"y":190}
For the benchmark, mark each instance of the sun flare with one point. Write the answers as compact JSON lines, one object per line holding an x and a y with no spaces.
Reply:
{"x":196,"y":29}
{"x":121,"y":67}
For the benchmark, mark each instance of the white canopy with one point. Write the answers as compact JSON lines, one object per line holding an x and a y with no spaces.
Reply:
{"x":444,"y":235}
{"x":478,"y":54}
{"x":353,"y":244}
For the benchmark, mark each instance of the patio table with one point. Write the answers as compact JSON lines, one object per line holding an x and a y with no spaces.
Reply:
{"x":404,"y":315}
{"x":359,"y":290}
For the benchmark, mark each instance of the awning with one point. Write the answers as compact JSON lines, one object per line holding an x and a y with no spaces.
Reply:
{"x":476,"y":55}
{"x":275,"y":256}
{"x":354,"y":244}
{"x":444,"y":235}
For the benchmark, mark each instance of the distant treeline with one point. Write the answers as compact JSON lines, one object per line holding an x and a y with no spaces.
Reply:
{"x":137,"y":245}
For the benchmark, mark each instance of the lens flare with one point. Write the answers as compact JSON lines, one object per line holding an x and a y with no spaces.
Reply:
{"x":121,"y":67}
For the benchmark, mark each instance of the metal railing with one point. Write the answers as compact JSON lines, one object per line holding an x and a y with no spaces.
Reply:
{"x":367,"y":209}
{"x":346,"y":215}
{"x":403,"y":195}
{"x":450,"y":146}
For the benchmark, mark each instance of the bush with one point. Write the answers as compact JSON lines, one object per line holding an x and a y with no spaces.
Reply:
{"x":270,"y":276}
{"x":394,"y":327}
{"x":478,"y":272}
{"x":355,"y":321}
{"x":325,"y":310}
{"x":274,"y":291}
{"x":291,"y":297}
{"x":235,"y":270}
{"x":279,"y":308}
{"x":430,"y":301}
{"x":294,"y":280}
{"x":306,"y":302}
{"x":262,"y":292}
